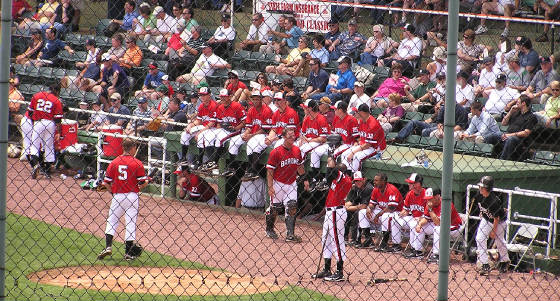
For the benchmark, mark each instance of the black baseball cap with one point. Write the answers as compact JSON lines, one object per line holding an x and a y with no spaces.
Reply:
{"x":423,"y":72}
{"x":363,"y":108}
{"x":501,"y":77}
{"x":545,"y":59}
{"x":340,"y":105}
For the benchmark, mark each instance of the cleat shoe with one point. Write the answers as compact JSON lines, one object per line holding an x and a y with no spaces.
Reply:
{"x":481,"y":29}
{"x":353,"y":243}
{"x":128,"y":257}
{"x":322,"y":186}
{"x":271,"y":234}
{"x":35,"y":172}
{"x":336,"y":277}
{"x":228,"y":173}
{"x":485,"y":270}
{"x":211,"y":165}
{"x":382,"y":248}
{"x":322,"y":274}
{"x":434,"y":258}
{"x":367,"y":244}
{"x":293,"y":238}
{"x":395,"y":249}
{"x":106,"y":252}
{"x":414,"y":254}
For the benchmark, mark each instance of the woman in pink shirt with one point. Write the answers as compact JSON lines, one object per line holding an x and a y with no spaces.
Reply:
{"x":393,"y":84}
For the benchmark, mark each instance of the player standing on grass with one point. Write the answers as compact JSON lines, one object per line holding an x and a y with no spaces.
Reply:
{"x":125,"y":177}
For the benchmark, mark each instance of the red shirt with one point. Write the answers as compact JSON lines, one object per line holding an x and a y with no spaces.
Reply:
{"x":259,"y":118}
{"x":234,"y":113}
{"x":45,"y":105}
{"x":124,"y":173}
{"x":287,"y":119}
{"x":313,"y":128}
{"x":391,"y":197}
{"x":455,"y":218}
{"x":284,"y":162}
{"x":371,"y":132}
{"x":17,"y":5}
{"x":198,"y":188}
{"x":347,"y":128}
{"x":175,"y":42}
{"x":232,"y":89}
{"x":207,"y":114}
{"x":339,"y":190}
{"x":415,"y":203}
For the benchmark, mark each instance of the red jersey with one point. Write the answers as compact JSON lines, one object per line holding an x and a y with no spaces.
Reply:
{"x":391,"y":197}
{"x":455,"y":217}
{"x":287,"y":119}
{"x":45,"y":105}
{"x":198,"y":188}
{"x":313,"y":128}
{"x":207,"y":114}
{"x":284,"y":162}
{"x":414,"y":203}
{"x":234,"y":113}
{"x":339,"y":190}
{"x":371,"y":132}
{"x":124,"y":173}
{"x":259,"y":118}
{"x":232,"y":89}
{"x":347,"y":128}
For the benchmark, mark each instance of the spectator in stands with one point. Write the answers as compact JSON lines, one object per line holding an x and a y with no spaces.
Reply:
{"x":408,"y":52}
{"x":551,"y":12}
{"x":34,"y":48}
{"x":464,"y":93}
{"x":518,"y":78}
{"x":290,"y":38}
{"x":163,"y":29}
{"x":271,"y":45}
{"x":439,"y":63}
{"x":223,"y":37}
{"x":294,"y":63}
{"x":51,"y":49}
{"x":175,"y":16}
{"x":175,"y":42}
{"x":357,"y":199}
{"x":262,"y":80}
{"x":97,"y":119}
{"x":257,"y":35}
{"x":393,"y":84}
{"x":539,"y":88}
{"x":191,"y":107}
{"x":461,"y":121}
{"x":420,"y":96}
{"x":521,"y":123}
{"x":392,"y":114}
{"x":159,"y":100}
{"x":136,"y":126}
{"x":319,"y":51}
{"x":14,"y":106}
{"x":528,"y":57}
{"x":114,"y":79}
{"x":91,"y":54}
{"x":487,"y":76}
{"x":482,"y":126}
{"x":151,"y":82}
{"x":347,"y":43}
{"x":504,"y":51}
{"x":358,"y":98}
{"x":499,"y":98}
{"x":190,"y":23}
{"x":174,"y":114}
{"x":130,"y":13}
{"x":204,"y":66}
{"x":42,"y":19}
{"x":185,"y":58}
{"x":117,"y":48}
{"x":377,"y":46}
{"x":344,"y":85}
{"x":117,"y":108}
{"x":62,"y":18}
{"x":19,"y":8}
{"x":86,"y":79}
{"x":334,"y":32}
{"x":292,"y":96}
{"x":469,"y":53}
{"x":143,"y":23}
{"x":133,"y":55}
{"x":550,"y":116}
{"x":316,"y":81}
{"x":502,"y":7}
{"x":237,"y":89}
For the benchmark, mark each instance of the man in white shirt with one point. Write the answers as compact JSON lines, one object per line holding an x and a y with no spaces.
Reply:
{"x":164,"y":25}
{"x":500,"y":97}
{"x":482,"y":126}
{"x":358,"y":98}
{"x":487,"y":77}
{"x":464,"y":95}
{"x":258,"y":33}
{"x":204,"y":66}
{"x":409,"y":50}
{"x":223,"y":35}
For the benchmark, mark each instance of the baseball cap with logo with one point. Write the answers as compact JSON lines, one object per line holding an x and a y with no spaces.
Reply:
{"x":310,"y":103}
{"x":501,"y":77}
{"x":105,"y":57}
{"x":423,"y":72}
{"x":428,"y":194}
{"x":340,"y":105}
{"x":414,"y":178}
{"x":256,"y":93}
{"x":233,"y":73}
{"x":203,"y":91}
{"x":279,"y":95}
{"x":410,"y":28}
{"x":358,"y":176}
{"x":224,"y":92}
{"x":152,"y":66}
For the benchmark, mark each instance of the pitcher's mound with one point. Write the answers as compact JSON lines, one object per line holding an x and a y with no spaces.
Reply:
{"x":153,"y":280}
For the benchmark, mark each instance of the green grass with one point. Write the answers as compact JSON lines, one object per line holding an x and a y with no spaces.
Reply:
{"x":34,"y":245}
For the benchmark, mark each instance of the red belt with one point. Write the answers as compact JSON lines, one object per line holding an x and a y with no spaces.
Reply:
{"x":334,"y":208}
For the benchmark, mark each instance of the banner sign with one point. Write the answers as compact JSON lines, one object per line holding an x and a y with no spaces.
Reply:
{"x":311,"y":16}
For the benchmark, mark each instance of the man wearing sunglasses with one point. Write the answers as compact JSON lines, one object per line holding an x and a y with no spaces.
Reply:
{"x":257,"y":35}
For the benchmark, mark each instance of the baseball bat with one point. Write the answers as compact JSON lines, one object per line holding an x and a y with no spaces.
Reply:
{"x":384,"y":280}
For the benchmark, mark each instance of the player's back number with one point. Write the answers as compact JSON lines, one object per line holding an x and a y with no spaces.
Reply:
{"x":44,"y":105}
{"x":123,"y":173}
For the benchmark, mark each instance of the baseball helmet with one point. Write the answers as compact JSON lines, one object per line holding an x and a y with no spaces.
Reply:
{"x":486,"y":182}
{"x":135,"y":250}
{"x":13,"y":151}
{"x":182,"y":166}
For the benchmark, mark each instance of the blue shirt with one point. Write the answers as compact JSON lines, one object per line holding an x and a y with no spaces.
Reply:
{"x":295,"y":32}
{"x":122,"y":82}
{"x":152,"y":81}
{"x":92,"y":71}
{"x":320,"y":54}
{"x":114,"y":119}
{"x":348,"y":42}
{"x":332,"y":36}
{"x":318,"y":81}
{"x":483,"y":125}
{"x":345,"y":80}
{"x":127,"y":20}
{"x":529,"y":59}
{"x":52,"y":48}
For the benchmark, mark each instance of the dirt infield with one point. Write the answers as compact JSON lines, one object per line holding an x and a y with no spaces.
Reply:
{"x":235,"y":242}
{"x":157,"y":281}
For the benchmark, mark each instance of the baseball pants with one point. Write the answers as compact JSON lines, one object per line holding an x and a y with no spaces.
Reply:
{"x":207,"y":138}
{"x":223,"y":135}
{"x":127,"y":204}
{"x":340,"y":150}
{"x":317,"y":153}
{"x":186,"y":137}
{"x":307,"y":147}
{"x":43,"y":135}
{"x":482,"y":235}
{"x":234,"y":144}
{"x":333,"y":233}
{"x":251,"y":193}
{"x":256,"y":144}
{"x":400,"y":224}
{"x":284,"y":193}
{"x":26,"y":126}
{"x":358,"y":158}
{"x":417,"y":239}
{"x":384,"y":219}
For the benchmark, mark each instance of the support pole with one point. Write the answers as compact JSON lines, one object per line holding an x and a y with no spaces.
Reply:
{"x":448,"y":141}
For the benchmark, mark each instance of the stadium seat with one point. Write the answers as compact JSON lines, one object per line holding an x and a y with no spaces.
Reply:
{"x":543,"y":157}
{"x":483,"y":149}
{"x":91,"y":97}
{"x":464,"y":147}
{"x":239,"y":58}
{"x":299,"y":82}
{"x":537,"y":107}
{"x":101,"y":26}
{"x":254,"y":62}
{"x":75,"y":40}
{"x":103,"y":42}
{"x":375,"y":111}
{"x":162,"y":65}
{"x":218,"y":78}
{"x":414,"y":140}
{"x":434,"y":143}
{"x":414,"y":116}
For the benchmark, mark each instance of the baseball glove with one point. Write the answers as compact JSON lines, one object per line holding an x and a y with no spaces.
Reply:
{"x":135,"y":250}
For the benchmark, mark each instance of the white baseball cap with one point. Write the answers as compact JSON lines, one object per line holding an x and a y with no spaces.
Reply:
{"x":358,"y":176}
{"x":224,"y":92}
{"x":279,"y":95}
{"x":428,"y":194}
{"x":256,"y":93}
{"x":266,"y":93}
{"x":414,"y":178}
{"x":165,"y":77}
{"x":157,"y":10}
{"x":203,"y":91}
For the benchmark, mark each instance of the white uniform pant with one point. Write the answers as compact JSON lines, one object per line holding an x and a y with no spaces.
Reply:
{"x":284,"y":193}
{"x":333,"y":234}
{"x":482,"y":235}
{"x":127,"y":204}
{"x":26,"y":126}
{"x":340,"y":150}
{"x":256,"y":144}
{"x":251,"y":193}
{"x":399,"y":224}
{"x":222,"y":136}
{"x":317,"y":153}
{"x":384,"y":219}
{"x":43,"y":136}
{"x":207,"y":137}
{"x":235,"y":143}
{"x":358,"y":158}
{"x":417,"y":239}
{"x":306,"y":147}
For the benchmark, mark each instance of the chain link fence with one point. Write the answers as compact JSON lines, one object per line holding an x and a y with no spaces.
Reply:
{"x":282,"y":150}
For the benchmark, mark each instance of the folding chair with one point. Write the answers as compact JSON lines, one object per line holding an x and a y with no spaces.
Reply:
{"x":527,"y":231}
